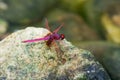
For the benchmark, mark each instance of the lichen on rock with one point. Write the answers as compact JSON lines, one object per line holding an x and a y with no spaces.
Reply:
{"x":37,"y":61}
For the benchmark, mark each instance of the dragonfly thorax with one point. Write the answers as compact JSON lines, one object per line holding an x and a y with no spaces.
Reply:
{"x":55,"y":36}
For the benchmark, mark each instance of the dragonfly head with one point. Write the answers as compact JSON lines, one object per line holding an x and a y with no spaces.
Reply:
{"x":62,"y":36}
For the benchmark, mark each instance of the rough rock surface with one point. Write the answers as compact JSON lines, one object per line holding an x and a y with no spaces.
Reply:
{"x":37,"y":61}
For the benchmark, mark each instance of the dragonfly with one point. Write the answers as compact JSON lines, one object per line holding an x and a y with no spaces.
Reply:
{"x":51,"y":39}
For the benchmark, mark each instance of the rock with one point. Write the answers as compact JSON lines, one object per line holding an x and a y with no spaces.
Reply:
{"x":111,"y":23}
{"x":75,"y":28}
{"x":3,"y":26}
{"x":93,"y":10}
{"x":111,"y":61}
{"x":37,"y":61}
{"x":2,"y":36}
{"x":108,"y":54}
{"x":3,"y":29}
{"x":74,"y":6}
{"x":25,"y":11}
{"x":3,"y":6}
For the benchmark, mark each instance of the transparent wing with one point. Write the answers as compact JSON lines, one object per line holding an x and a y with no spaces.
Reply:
{"x":56,"y":30}
{"x":46,"y":24}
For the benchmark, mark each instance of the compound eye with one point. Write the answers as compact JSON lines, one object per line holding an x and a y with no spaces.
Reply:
{"x":62,"y":36}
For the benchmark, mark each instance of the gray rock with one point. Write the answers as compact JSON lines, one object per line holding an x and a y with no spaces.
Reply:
{"x":108,"y":54}
{"x":111,"y":61}
{"x":3,"y":6}
{"x":24,"y":11}
{"x":37,"y":61}
{"x":3,"y":26}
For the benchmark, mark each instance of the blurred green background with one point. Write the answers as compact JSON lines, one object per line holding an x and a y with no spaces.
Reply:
{"x":93,"y":25}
